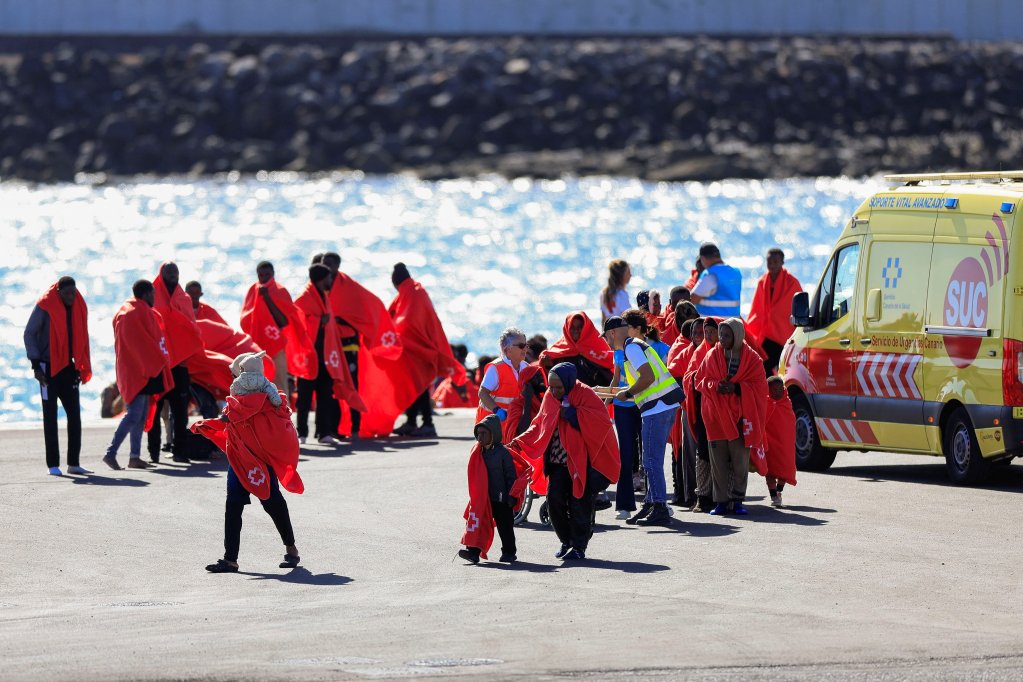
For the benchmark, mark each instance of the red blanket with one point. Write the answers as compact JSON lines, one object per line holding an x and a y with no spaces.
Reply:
{"x":781,"y":440}
{"x":208,"y":312}
{"x":669,"y":331}
{"x":314,"y":307}
{"x":723,"y":412}
{"x":385,"y":388}
{"x":446,"y":396}
{"x":678,"y":356}
{"x":259,"y":323}
{"x":769,"y":314}
{"x":220,"y":338}
{"x":139,"y":348}
{"x":258,"y":437}
{"x":695,"y":357}
{"x":426,"y":352}
{"x":54,"y":306}
{"x":591,"y":345}
{"x":175,"y":308}
{"x":479,"y":518}
{"x":595,"y":443}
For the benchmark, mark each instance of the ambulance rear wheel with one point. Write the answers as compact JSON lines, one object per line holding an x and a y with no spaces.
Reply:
{"x":963,"y":460}
{"x":810,"y":454}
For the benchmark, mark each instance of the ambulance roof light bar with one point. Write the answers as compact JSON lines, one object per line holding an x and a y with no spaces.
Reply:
{"x":917,"y":178}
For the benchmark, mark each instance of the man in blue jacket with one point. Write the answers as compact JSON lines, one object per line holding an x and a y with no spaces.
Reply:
{"x":719,"y":289}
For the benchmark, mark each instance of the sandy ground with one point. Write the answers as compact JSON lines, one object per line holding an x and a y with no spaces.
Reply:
{"x":877,"y":570}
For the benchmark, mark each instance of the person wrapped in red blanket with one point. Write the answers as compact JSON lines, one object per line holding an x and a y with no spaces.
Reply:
{"x":277,"y":326}
{"x":57,"y":345}
{"x":184,"y":345}
{"x":583,"y":346}
{"x":426,"y":353}
{"x":705,"y":336}
{"x":734,"y":406}
{"x":780,"y":440}
{"x":143,"y":371}
{"x":332,"y":379}
{"x":573,"y":439}
{"x":768,"y":320}
{"x":493,"y":495}
{"x":262,"y":449}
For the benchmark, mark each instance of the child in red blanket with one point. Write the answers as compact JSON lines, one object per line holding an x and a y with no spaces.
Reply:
{"x":780,"y":440}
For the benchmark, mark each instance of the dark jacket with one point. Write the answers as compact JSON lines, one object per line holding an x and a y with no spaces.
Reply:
{"x":500,"y":466}
{"x":37,"y":337}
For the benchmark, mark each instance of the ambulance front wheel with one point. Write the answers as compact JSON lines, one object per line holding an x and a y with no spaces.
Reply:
{"x":810,"y":454}
{"x":963,"y":459}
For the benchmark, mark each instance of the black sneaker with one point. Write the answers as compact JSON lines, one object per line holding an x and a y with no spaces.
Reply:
{"x":602,"y":502}
{"x":425,"y":431}
{"x":658,"y":517}
{"x":470,"y":555}
{"x":643,"y":512}
{"x":565,"y":549}
{"x":405,"y":429}
{"x":507,"y":558}
{"x":181,"y":459}
{"x":574,"y":555}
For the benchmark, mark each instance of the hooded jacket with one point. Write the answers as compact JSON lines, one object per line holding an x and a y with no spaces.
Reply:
{"x":501,"y":472}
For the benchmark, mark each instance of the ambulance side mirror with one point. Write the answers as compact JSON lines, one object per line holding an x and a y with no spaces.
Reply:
{"x":874,"y":305}
{"x":800,"y":310}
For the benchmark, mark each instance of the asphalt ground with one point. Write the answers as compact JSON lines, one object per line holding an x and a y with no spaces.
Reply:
{"x":879,"y":569}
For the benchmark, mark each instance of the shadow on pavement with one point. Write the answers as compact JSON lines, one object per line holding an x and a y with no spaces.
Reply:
{"x":94,"y":479}
{"x":623,"y":566}
{"x":519,"y":566}
{"x":787,"y":515}
{"x":301,"y":576}
{"x":1004,"y":477}
{"x":708,"y":529}
{"x":198,"y":470}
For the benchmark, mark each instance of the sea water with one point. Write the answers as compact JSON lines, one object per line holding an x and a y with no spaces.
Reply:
{"x":493,"y":253}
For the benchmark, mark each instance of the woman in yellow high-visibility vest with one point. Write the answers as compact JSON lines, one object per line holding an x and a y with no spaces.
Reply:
{"x":657,"y":395}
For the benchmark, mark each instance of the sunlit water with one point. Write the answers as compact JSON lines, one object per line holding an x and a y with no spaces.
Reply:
{"x":491,"y":252}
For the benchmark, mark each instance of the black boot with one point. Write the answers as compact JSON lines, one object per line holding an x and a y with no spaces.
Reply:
{"x":643,"y":512}
{"x":658,"y":517}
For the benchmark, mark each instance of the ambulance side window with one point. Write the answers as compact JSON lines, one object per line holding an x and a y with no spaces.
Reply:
{"x":835,"y":294}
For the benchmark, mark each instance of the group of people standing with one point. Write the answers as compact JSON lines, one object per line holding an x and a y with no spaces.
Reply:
{"x":336,"y":339}
{"x":601,"y":407}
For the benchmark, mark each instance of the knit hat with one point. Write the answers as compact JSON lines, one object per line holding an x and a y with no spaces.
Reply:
{"x":248,"y":362}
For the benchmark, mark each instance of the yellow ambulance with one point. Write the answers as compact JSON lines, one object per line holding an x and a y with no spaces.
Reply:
{"x":913,"y":339}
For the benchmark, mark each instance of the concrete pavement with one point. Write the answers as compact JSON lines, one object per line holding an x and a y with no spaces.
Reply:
{"x":878,"y":569}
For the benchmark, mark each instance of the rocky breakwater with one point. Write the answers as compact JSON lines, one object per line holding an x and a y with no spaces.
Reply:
{"x":662,"y":109}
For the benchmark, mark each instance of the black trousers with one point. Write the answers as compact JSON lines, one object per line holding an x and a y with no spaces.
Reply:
{"x":572,"y":518}
{"x":504,"y":517}
{"x":328,"y":411}
{"x":685,"y":467}
{"x":352,"y":357}
{"x":237,"y":497}
{"x":63,"y":387}
{"x":177,"y":398}
{"x":773,"y":351}
{"x":421,"y":407}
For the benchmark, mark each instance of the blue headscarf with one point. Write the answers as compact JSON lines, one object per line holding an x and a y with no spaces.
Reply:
{"x":567,"y":372}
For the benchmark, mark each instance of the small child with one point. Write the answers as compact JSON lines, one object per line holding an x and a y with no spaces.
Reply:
{"x":780,"y":440}
{"x":499,"y":468}
{"x":248,"y":368}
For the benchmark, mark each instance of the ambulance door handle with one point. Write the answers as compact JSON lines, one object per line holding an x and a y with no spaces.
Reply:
{"x":844,"y":342}
{"x":864,"y":342}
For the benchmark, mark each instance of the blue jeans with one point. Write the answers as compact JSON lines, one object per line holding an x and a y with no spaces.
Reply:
{"x":627,"y":424}
{"x":656,"y":429}
{"x":133,"y":421}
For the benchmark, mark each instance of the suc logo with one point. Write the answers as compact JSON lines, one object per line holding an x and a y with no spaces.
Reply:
{"x":966,"y":305}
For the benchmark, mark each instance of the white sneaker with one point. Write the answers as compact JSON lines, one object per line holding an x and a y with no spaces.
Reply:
{"x":776,"y":500}
{"x":671,"y":512}
{"x":55,"y":471}
{"x":330,"y":440}
{"x":623,"y":514}
{"x":301,"y":440}
{"x":78,"y":470}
